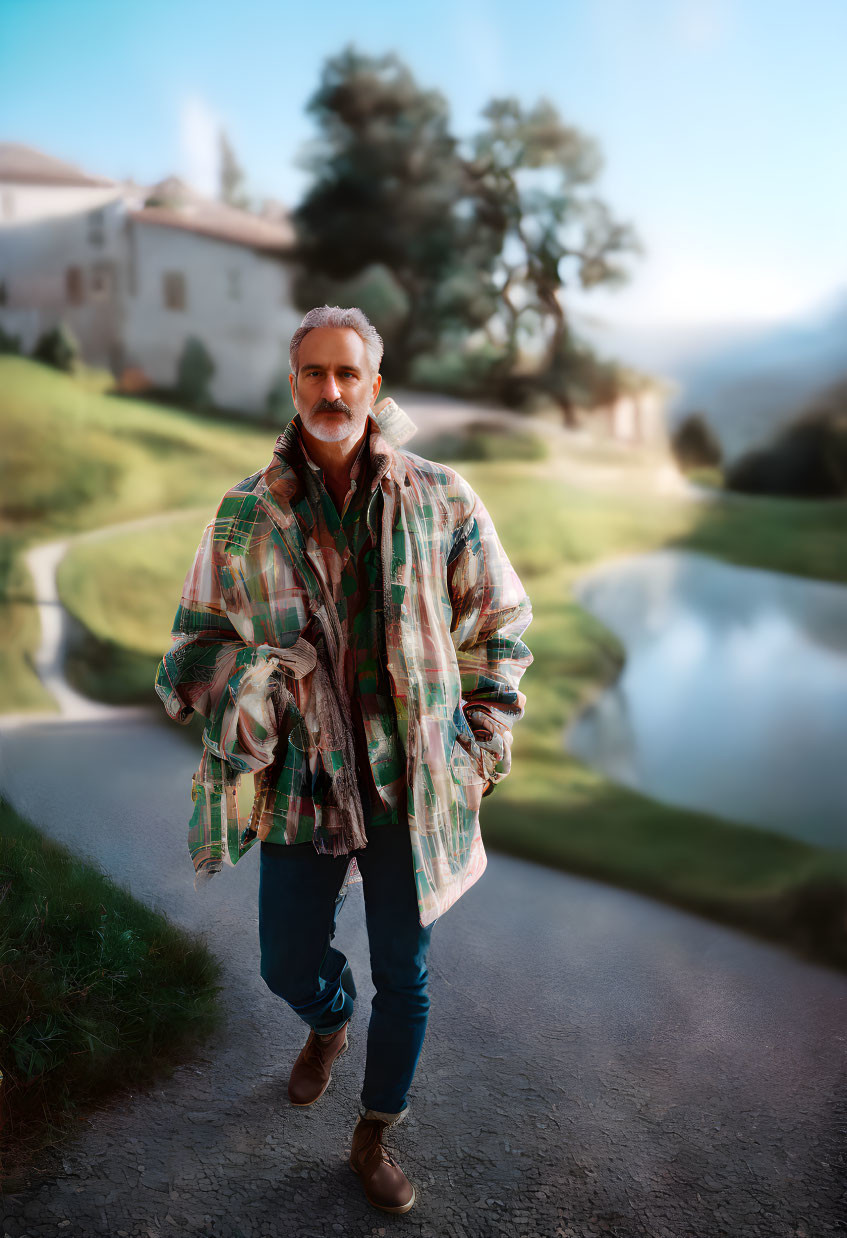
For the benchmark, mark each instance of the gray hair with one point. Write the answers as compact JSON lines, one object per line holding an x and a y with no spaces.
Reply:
{"x":336,"y":316}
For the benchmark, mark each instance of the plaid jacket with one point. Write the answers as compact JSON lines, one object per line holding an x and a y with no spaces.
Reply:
{"x":455,"y":612}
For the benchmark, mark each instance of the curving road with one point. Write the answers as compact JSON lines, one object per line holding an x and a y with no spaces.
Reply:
{"x":596,"y":1063}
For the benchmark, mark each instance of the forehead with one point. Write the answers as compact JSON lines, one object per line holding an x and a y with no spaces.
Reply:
{"x":331,"y":347}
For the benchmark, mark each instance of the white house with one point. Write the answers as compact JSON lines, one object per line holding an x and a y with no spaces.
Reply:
{"x":636,"y":416}
{"x":135,"y":271}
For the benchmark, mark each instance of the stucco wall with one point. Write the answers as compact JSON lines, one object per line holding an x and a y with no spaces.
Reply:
{"x":247,"y":335}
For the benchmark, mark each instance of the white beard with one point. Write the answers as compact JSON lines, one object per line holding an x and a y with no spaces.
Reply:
{"x":333,"y":428}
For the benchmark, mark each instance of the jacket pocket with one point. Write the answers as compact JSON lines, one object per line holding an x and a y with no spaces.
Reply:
{"x":291,"y":723}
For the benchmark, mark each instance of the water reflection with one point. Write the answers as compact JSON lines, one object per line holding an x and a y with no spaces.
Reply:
{"x":734,"y":695}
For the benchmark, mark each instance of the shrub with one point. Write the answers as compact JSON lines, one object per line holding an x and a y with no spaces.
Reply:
{"x":808,"y":459}
{"x":278,"y":400}
{"x":57,"y":347}
{"x":9,"y":343}
{"x":695,"y":444}
{"x":194,"y":374}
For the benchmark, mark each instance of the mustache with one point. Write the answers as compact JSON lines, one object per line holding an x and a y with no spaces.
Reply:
{"x":338,"y":406}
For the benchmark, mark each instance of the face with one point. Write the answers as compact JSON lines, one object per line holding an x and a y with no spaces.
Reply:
{"x":333,"y":391}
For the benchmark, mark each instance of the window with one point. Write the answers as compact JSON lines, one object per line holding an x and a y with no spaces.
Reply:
{"x":73,"y":286}
{"x":96,"y":227}
{"x":132,"y":259}
{"x":174,"y":290}
{"x":233,"y":280}
{"x":100,"y":283}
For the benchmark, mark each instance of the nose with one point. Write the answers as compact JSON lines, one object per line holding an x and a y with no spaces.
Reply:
{"x":330,"y":390}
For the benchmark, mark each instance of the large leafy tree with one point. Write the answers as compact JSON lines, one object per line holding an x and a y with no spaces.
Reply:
{"x":387,"y":186}
{"x":530,"y":172}
{"x":482,"y":237}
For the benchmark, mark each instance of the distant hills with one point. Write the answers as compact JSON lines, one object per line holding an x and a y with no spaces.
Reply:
{"x":749,"y":379}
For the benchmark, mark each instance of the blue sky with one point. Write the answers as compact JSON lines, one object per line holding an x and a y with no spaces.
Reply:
{"x":721,"y":121}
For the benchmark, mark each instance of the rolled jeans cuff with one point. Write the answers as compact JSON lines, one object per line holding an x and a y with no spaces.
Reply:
{"x":390,"y":1119}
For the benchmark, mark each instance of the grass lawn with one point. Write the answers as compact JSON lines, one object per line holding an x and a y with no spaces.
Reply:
{"x":98,"y":993}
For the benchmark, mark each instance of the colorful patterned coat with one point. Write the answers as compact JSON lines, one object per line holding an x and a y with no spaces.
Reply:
{"x":455,"y":613}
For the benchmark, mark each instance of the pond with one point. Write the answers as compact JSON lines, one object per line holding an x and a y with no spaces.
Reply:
{"x":733,"y":699}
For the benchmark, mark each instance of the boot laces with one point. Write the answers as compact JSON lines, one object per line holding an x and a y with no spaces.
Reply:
{"x":315,"y":1051}
{"x":386,"y":1155}
{"x":378,"y":1148}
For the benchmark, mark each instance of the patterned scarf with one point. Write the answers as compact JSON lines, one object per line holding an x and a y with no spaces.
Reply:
{"x":339,"y":823}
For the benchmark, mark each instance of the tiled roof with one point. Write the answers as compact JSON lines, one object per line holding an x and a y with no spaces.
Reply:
{"x":173,"y":204}
{"x":32,"y":167}
{"x":226,"y":224}
{"x":169,"y":204}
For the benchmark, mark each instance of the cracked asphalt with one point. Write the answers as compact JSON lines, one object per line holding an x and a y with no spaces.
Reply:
{"x":596,"y":1063}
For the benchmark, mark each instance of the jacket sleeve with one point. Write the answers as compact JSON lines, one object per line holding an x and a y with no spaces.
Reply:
{"x":491,"y":611}
{"x":210,"y":669}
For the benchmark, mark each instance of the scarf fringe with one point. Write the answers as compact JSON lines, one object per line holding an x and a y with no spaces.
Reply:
{"x":342,"y":820}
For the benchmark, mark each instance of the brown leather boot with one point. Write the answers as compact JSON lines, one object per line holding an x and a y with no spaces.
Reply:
{"x":311,"y":1073}
{"x":386,"y":1186}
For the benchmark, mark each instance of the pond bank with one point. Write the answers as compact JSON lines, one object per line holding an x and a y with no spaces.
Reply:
{"x":733,"y":698}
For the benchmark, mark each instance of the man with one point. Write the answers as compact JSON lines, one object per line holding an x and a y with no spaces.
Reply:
{"x":351,"y":630}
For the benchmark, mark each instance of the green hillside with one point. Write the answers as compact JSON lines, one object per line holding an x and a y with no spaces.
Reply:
{"x":76,"y":458}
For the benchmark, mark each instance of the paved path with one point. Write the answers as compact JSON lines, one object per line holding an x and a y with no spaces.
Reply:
{"x":596,"y":1063}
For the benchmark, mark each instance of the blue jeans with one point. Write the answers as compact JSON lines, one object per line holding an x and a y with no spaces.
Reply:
{"x":298,"y":905}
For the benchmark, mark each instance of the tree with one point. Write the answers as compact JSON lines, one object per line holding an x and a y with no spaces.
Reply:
{"x":231,"y":175}
{"x":694,"y":443}
{"x":807,"y":458}
{"x":388,"y":180}
{"x":527,"y":169}
{"x":478,"y":243}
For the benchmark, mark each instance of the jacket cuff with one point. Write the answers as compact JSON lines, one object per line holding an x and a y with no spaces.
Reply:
{"x":205,"y":872}
{"x":495,"y":745}
{"x":244,"y":731}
